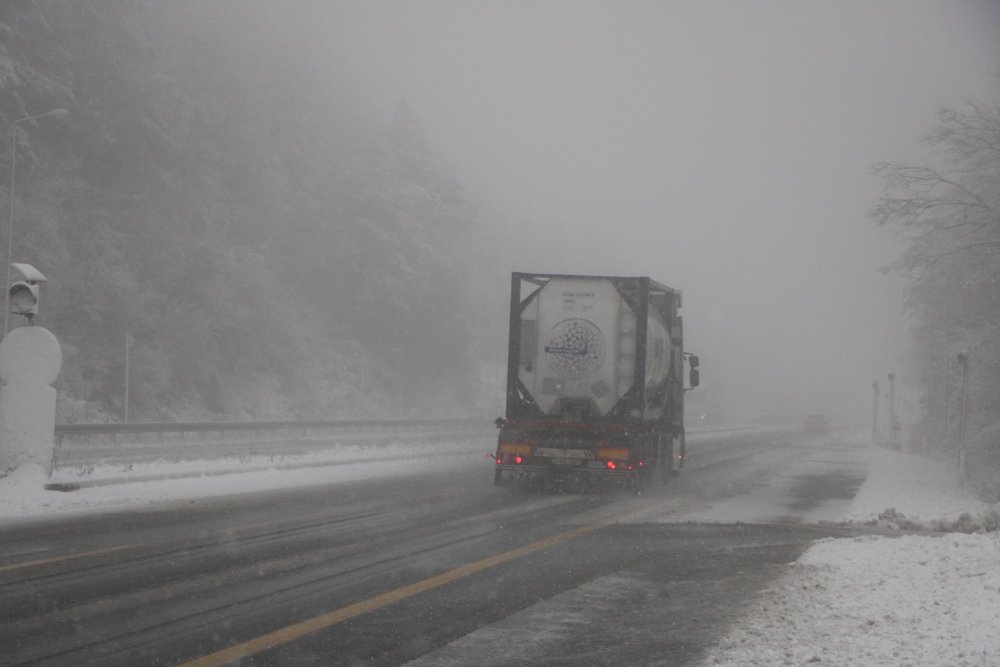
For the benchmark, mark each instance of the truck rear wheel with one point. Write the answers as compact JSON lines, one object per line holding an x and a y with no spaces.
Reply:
{"x":666,"y":462}
{"x":656,"y":474}
{"x":677,"y":453}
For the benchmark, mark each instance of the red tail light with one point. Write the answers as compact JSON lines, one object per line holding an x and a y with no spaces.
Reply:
{"x":612,"y":465}
{"x":518,"y":460}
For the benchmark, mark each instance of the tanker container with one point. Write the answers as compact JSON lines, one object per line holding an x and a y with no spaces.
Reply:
{"x":591,"y":360}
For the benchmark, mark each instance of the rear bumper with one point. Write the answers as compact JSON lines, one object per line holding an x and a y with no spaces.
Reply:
{"x":527,"y":475}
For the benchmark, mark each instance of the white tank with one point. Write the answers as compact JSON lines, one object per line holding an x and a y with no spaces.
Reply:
{"x":578,"y":342}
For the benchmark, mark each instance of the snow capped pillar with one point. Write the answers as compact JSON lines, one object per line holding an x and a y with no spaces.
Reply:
{"x":30,"y":360}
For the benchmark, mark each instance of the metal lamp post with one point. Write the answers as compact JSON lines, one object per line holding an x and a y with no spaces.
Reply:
{"x":54,"y":113}
{"x":893,"y":431}
{"x":875,"y":414}
{"x":963,"y":360}
{"x":128,"y":346}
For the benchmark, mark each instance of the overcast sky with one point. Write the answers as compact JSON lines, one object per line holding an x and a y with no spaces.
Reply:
{"x":724,"y":148}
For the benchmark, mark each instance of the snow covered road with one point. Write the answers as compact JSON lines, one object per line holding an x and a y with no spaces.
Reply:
{"x":704,"y":572}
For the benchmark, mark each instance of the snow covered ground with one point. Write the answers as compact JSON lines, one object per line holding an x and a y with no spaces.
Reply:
{"x":23,"y":494}
{"x":916,"y":600}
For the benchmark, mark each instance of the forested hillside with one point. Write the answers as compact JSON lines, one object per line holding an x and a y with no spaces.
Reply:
{"x":273,"y":252}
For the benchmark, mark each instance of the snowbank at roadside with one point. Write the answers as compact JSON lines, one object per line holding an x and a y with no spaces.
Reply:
{"x":23,"y":493}
{"x":916,"y":493}
{"x":915,"y":600}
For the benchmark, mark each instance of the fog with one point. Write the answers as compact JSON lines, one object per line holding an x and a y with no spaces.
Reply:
{"x":236,"y":205}
{"x":722,"y":148}
{"x":725,"y":149}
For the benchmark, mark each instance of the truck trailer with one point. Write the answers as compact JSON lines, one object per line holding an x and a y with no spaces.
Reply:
{"x":595,"y":383}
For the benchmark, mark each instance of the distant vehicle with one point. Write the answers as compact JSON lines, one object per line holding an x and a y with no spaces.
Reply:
{"x":815,"y":424}
{"x":595,"y":383}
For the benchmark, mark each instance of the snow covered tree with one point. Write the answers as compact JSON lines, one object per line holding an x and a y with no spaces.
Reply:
{"x":949,"y":219}
{"x":273,"y":251}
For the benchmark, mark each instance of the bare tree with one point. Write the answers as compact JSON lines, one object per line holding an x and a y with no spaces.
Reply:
{"x":953,"y":209}
{"x":948,"y":216}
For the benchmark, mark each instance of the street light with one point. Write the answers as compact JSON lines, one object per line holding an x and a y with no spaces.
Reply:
{"x":893,"y":425}
{"x":963,"y":360}
{"x":54,"y":113}
{"x":875,"y":414}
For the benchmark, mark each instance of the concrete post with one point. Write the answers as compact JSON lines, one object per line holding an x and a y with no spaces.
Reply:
{"x":30,"y":360}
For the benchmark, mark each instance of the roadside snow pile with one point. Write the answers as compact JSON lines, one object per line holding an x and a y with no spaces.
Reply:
{"x":965,"y":523}
{"x":23,"y":493}
{"x":913,"y":600}
{"x":914,"y":493}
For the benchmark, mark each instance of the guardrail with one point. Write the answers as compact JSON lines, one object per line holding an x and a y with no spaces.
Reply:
{"x":82,"y":447}
{"x":122,"y":444}
{"x":118,"y":451}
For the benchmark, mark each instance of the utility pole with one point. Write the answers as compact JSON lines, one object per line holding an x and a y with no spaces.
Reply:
{"x":947,"y":388}
{"x":963,"y":360}
{"x":128,"y":345}
{"x":893,"y":430}
{"x":875,"y":414}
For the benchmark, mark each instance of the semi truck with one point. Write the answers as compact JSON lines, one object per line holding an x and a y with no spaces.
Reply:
{"x":596,"y":374}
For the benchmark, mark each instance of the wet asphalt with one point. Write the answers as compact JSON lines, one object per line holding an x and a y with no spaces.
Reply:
{"x":438,"y":569}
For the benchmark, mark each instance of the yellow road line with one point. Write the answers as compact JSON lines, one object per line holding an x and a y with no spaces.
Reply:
{"x":308,"y":626}
{"x":57,"y":559}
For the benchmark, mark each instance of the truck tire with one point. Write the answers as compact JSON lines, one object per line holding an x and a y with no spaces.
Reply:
{"x":677,"y":441}
{"x":660,"y":468}
{"x":667,"y":462}
{"x":649,"y":477}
